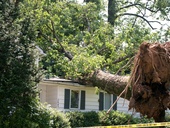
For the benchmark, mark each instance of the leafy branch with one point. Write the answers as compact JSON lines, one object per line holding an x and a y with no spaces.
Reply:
{"x":52,"y":29}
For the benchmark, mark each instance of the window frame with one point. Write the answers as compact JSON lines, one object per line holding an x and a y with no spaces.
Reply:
{"x":79,"y":96}
{"x":104,"y":101}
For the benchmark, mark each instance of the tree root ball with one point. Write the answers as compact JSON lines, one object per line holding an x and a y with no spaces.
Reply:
{"x":150,"y":80}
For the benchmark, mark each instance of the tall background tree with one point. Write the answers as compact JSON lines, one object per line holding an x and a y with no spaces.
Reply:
{"x":18,"y":70}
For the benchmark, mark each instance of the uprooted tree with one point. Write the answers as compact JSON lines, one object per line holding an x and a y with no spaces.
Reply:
{"x":149,"y":84}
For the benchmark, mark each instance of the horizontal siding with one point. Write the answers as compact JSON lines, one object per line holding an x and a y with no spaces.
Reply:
{"x":54,"y":94}
{"x":92,"y":100}
{"x":60,"y":99}
{"x":122,"y":105}
{"x":51,"y":95}
{"x":42,"y":90}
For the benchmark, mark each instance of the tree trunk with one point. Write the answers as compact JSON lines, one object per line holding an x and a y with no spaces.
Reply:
{"x":112,"y":11}
{"x":110,"y":83}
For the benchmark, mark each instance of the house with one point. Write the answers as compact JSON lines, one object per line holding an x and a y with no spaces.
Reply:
{"x":66,"y":95}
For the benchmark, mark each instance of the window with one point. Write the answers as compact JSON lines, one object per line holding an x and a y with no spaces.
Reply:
{"x":105,"y":101}
{"x":74,"y":99}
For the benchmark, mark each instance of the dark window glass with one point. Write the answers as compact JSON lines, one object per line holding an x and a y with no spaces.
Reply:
{"x":74,"y":99}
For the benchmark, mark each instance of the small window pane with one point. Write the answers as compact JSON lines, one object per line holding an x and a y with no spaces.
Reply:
{"x":74,"y":99}
{"x":107,"y":101}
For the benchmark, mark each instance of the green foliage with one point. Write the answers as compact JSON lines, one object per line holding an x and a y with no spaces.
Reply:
{"x":113,"y":117}
{"x":142,"y":119}
{"x":167,"y":116}
{"x":46,"y":117}
{"x":163,"y":6}
{"x":76,"y":118}
{"x":91,"y":119}
{"x":41,"y":116}
{"x":19,"y":74}
{"x":83,"y":119}
{"x":101,"y":118}
{"x":81,"y":31}
{"x":18,"y":68}
{"x":61,"y":28}
{"x":83,"y":64}
{"x":67,"y":28}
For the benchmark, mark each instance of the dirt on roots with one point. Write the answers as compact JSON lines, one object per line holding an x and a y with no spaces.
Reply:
{"x":150,"y":80}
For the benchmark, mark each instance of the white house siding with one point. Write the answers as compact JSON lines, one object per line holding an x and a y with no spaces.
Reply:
{"x":91,"y":103}
{"x":61,"y":97}
{"x":53,"y":93}
{"x":42,"y":91}
{"x":122,"y":105}
{"x":48,"y":93}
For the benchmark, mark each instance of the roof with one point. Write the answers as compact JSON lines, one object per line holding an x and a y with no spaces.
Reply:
{"x":61,"y":81}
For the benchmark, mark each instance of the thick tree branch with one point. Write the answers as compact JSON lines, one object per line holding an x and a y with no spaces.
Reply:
{"x":66,"y":53}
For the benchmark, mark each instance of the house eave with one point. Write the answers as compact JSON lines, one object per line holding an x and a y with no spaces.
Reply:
{"x":54,"y":81}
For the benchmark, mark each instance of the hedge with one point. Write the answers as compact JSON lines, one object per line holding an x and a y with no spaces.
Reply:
{"x":101,"y":118}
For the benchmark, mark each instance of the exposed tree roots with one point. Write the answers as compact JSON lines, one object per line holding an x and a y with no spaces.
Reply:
{"x":150,"y":80}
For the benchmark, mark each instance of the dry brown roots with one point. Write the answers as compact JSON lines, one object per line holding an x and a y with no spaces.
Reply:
{"x":150,"y":80}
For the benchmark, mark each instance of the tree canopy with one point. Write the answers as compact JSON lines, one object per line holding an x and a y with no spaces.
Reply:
{"x":78,"y":39}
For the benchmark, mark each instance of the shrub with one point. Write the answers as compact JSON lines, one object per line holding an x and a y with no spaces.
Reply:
{"x":91,"y":119}
{"x":47,"y":117}
{"x":60,"y":120}
{"x":18,"y":118}
{"x":113,"y":118}
{"x":142,"y":119}
{"x":167,"y":116}
{"x":76,"y":118}
{"x":83,"y":119}
{"x":101,"y":118}
{"x":41,"y":116}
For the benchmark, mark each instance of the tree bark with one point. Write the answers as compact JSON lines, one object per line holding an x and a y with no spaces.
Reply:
{"x":110,"y":83}
{"x":112,"y":11}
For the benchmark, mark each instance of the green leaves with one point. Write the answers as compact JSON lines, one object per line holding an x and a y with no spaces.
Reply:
{"x":83,"y":64}
{"x":77,"y":39}
{"x":19,"y":72}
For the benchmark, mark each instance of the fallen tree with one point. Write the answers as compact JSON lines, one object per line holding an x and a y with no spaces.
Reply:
{"x":148,"y":85}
